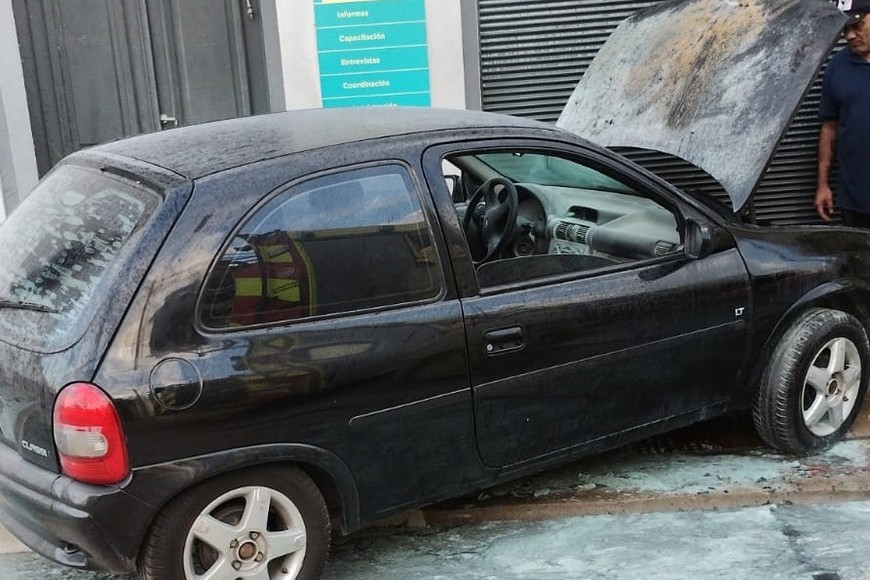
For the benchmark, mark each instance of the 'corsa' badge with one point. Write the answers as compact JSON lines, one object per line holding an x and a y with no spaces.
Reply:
{"x":34,"y":448}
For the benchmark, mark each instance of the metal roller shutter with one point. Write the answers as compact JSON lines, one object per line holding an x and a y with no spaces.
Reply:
{"x":533,"y":53}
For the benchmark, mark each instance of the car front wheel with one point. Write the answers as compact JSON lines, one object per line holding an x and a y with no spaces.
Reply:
{"x":267,"y":523}
{"x":815,"y":382}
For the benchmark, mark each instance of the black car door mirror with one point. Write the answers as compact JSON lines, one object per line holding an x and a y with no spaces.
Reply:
{"x":699,"y":240}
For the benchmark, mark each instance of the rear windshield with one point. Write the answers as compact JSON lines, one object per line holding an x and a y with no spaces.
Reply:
{"x":57,"y":248}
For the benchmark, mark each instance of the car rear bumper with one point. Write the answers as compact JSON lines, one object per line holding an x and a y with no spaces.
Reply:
{"x":83,"y":526}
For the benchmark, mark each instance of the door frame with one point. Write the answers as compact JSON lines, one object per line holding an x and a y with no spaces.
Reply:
{"x":47,"y":71}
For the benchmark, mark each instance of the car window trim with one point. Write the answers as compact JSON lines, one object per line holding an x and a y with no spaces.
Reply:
{"x":433,"y":156}
{"x":281,"y":189}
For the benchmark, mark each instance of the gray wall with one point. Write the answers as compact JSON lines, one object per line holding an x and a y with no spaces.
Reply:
{"x":532,"y":55}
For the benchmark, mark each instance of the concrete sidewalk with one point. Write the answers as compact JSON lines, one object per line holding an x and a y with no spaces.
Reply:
{"x":9,"y":544}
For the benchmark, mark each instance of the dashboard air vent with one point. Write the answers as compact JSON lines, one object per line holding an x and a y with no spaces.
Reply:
{"x":571,"y":232}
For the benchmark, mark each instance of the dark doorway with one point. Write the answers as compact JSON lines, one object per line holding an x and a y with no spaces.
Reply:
{"x":98,"y":70}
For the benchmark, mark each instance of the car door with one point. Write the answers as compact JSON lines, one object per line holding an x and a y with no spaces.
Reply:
{"x":326,"y":326}
{"x":576,"y":339}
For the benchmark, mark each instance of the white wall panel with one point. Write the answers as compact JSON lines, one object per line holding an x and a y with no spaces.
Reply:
{"x":17,"y":157}
{"x":299,"y":66}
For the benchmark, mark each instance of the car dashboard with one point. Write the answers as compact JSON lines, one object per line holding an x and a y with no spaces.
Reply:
{"x":614,"y":226}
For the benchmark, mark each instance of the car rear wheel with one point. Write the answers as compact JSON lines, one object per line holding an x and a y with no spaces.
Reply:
{"x":814,"y":385}
{"x":267,"y":524}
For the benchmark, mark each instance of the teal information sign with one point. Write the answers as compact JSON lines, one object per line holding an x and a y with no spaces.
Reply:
{"x":372,"y":53}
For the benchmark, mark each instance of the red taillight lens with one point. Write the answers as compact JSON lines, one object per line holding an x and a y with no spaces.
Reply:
{"x":89,"y":436}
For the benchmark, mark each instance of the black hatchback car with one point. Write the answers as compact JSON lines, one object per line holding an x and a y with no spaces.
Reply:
{"x":221,"y":344}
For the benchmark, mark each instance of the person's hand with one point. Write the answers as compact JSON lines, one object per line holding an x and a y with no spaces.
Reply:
{"x":825,"y":203}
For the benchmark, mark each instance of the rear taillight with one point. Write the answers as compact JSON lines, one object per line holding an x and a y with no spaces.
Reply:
{"x":89,"y":436}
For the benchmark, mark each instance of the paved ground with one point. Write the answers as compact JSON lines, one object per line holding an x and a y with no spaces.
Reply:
{"x":772,"y":542}
{"x":704,"y":503}
{"x":717,"y":465}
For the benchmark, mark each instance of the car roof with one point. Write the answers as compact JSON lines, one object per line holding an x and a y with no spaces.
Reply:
{"x":200,"y":150}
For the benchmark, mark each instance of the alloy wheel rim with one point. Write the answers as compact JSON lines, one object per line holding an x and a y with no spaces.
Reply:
{"x":249,"y":532}
{"x":831,"y":386}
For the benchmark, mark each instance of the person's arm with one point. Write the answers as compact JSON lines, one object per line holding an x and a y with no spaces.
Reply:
{"x":824,"y":195}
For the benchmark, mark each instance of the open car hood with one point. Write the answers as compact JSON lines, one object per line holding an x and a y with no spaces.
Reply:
{"x":714,"y":82}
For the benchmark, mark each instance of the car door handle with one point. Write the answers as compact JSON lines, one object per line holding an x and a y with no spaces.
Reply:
{"x":504,"y":340}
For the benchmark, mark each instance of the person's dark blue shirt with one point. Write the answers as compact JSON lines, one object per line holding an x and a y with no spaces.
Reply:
{"x":846,"y":99}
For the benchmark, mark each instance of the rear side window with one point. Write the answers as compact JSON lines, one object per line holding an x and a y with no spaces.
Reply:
{"x":340,"y":243}
{"x":56,"y":248}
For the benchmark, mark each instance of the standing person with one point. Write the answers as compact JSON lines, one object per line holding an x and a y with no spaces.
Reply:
{"x":845,"y":115}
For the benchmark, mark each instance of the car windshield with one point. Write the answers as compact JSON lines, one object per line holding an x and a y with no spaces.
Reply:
{"x":56,"y":248}
{"x":550,"y":170}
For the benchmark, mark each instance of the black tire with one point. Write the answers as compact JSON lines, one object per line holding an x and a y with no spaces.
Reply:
{"x":793,"y":415}
{"x":288,"y":495}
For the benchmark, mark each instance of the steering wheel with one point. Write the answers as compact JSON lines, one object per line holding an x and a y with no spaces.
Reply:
{"x":497,"y":222}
